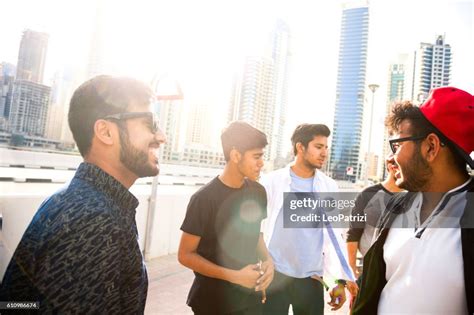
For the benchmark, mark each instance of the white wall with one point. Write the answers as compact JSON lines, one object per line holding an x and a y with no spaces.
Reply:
{"x":17,"y":213}
{"x":18,"y":210}
{"x":170,"y":211}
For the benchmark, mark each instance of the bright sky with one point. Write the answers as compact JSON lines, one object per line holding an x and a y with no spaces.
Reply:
{"x":203,"y":43}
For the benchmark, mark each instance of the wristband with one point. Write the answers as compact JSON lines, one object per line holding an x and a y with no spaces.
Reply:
{"x":341,"y":281}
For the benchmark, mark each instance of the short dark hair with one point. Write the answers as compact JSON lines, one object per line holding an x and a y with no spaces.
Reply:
{"x":420,"y":126}
{"x":98,"y":97}
{"x":243,"y":137}
{"x":407,"y":110}
{"x":305,"y":133}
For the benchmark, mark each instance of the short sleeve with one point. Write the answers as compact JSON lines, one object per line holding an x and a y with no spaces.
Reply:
{"x":197,"y":216}
{"x":263,"y":201}
{"x":357,"y":228}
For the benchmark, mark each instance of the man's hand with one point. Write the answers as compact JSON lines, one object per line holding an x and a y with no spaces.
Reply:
{"x":247,"y":277}
{"x":353,"y":289}
{"x":266,"y":275}
{"x":338,"y":297}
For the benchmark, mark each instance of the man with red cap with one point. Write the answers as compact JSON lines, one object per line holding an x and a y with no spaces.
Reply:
{"x":423,"y":256}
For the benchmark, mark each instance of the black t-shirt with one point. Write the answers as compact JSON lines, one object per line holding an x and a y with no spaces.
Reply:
{"x":228,"y":222}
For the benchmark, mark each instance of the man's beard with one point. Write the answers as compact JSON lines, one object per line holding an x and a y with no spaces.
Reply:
{"x":310,"y":165}
{"x":133,"y":159}
{"x":416,"y":172}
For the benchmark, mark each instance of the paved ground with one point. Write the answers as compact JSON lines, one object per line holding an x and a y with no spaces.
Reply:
{"x":168,"y":286}
{"x":169,"y":283}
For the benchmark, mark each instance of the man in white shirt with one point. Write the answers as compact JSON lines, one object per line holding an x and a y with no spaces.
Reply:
{"x":301,"y":255}
{"x":421,"y":261}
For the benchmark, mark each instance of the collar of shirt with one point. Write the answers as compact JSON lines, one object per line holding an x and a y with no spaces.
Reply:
{"x":107,"y":184}
{"x":416,"y":208}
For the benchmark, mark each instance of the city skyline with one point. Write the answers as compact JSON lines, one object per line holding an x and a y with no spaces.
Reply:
{"x":208,"y":68}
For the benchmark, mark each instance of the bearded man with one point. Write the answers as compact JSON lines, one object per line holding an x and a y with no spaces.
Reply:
{"x":421,"y":260}
{"x":80,"y":252}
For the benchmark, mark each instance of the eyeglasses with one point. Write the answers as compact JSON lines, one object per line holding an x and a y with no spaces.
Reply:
{"x":395,"y":143}
{"x":153,"y":121}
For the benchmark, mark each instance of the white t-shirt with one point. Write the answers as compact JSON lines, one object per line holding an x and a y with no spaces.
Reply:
{"x":425,"y":275}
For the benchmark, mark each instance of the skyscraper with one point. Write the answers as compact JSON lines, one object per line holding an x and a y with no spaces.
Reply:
{"x":280,"y":54}
{"x":171,"y":114}
{"x":199,"y":126}
{"x":347,"y":131}
{"x":399,"y":79}
{"x":260,"y":93}
{"x":32,"y":56}
{"x":63,"y":86}
{"x":399,"y":87}
{"x":96,"y":64}
{"x":202,"y":140}
{"x":432,"y":67}
{"x":253,"y":99}
{"x":7,"y":77}
{"x":29,"y":109}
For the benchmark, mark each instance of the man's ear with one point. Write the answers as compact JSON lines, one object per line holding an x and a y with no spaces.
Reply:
{"x":235,"y":155}
{"x":433,"y":146}
{"x":104,"y":131}
{"x":299,"y":147}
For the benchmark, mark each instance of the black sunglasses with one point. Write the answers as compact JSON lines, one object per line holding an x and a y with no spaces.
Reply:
{"x":395,"y":143}
{"x":154,"y":122}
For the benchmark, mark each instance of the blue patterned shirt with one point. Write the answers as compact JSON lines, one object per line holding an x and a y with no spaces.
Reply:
{"x":80,"y":253}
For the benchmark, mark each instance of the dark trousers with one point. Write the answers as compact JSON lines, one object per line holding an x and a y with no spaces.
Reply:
{"x":305,"y":295}
{"x":251,"y":310}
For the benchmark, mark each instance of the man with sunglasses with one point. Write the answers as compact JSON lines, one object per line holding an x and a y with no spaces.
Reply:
{"x":421,"y":260}
{"x":80,"y":253}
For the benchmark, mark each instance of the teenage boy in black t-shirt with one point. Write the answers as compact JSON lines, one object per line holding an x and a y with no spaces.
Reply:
{"x":221,"y":240}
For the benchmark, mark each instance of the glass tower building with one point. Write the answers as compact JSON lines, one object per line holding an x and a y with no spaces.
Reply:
{"x":349,"y":110}
{"x":433,"y":67}
{"x":32,"y":56}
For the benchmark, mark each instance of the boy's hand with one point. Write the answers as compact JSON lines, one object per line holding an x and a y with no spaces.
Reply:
{"x":247,"y":277}
{"x":266,"y":275}
{"x":338,"y":297}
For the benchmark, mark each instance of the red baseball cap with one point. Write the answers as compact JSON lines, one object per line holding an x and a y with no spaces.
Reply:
{"x":451,"y":111}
